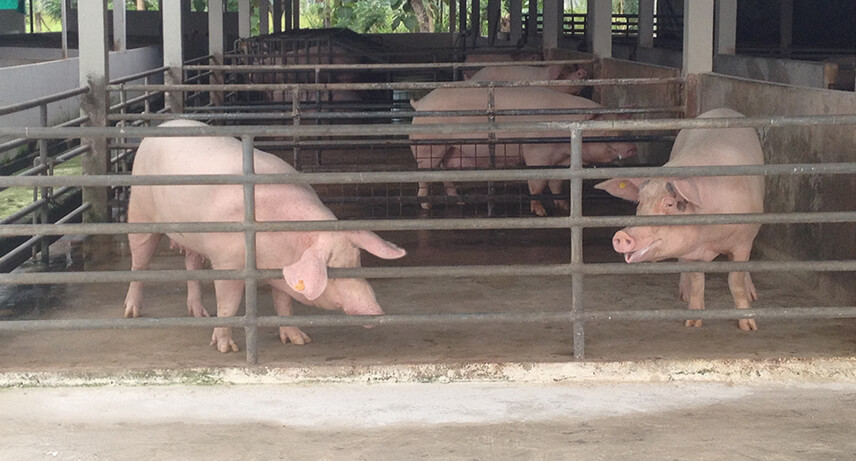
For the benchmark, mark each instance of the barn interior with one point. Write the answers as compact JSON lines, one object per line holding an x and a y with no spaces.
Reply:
{"x":353,"y":94}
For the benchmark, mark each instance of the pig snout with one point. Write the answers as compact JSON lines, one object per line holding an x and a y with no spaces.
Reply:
{"x":632,"y":249}
{"x":622,"y":242}
{"x":627,"y":154}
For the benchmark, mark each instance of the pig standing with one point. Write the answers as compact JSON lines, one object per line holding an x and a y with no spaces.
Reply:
{"x":511,"y":154}
{"x":302,"y":256}
{"x":533,"y":73}
{"x":698,"y":195}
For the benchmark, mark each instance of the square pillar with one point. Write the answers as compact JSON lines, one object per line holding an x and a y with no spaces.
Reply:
{"x":698,"y":37}
{"x":94,"y":73}
{"x":552,"y":24}
{"x":120,"y":34}
{"x":173,"y":58}
{"x":726,"y":26}
{"x":244,"y":23}
{"x":600,"y":21}
{"x":646,"y":23}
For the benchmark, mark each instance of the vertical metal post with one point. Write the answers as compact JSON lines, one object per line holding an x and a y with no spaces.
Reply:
{"x":295,"y":120}
{"x":44,"y":191}
{"x":251,"y":328}
{"x":576,"y":206}
{"x":491,"y":144}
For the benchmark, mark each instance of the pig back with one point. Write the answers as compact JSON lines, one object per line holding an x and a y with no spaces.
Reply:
{"x":213,"y":202}
{"x":723,"y":147}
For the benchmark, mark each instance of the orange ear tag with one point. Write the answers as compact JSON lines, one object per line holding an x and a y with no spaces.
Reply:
{"x":300,"y":286}
{"x":622,"y":185}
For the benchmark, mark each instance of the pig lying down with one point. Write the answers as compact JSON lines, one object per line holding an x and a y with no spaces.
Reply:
{"x":534,"y":73}
{"x":698,"y":195}
{"x":303,"y":257}
{"x":475,"y":153}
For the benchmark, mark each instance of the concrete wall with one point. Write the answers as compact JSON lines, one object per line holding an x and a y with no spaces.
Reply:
{"x":11,"y":22}
{"x":641,"y":96}
{"x":804,"y":73}
{"x":801,"y":193}
{"x":24,"y":83}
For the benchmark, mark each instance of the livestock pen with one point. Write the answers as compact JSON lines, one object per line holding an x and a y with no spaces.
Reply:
{"x":477,"y":287}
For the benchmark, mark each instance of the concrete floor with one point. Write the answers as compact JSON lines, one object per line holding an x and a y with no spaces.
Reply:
{"x":648,"y":390}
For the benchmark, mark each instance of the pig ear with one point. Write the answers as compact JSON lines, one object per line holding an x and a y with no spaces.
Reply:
{"x":626,"y":188}
{"x":308,"y":276}
{"x":375,"y":245}
{"x":555,"y":71}
{"x":688,"y":190}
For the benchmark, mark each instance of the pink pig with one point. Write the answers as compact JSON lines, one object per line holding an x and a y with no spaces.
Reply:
{"x":303,"y":257}
{"x":511,"y":154}
{"x":698,"y":195}
{"x":533,"y":73}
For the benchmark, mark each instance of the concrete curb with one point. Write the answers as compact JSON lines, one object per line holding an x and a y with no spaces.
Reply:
{"x":728,"y":371}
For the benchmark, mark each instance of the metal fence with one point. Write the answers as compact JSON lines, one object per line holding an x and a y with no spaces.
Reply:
{"x":576,"y":269}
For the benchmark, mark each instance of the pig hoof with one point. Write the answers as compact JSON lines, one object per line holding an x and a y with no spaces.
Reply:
{"x":693,"y":323}
{"x":747,"y":324}
{"x":132,"y":311}
{"x":294,"y":336}
{"x":538,"y":209}
{"x":426,"y":205}
{"x":223,"y":341}
{"x":563,"y":205}
{"x":197,"y":310}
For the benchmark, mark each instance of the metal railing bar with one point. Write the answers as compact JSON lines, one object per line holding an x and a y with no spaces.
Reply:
{"x":392,"y":85}
{"x":429,"y":175}
{"x":432,"y":224}
{"x":288,"y":67}
{"x":33,"y":103}
{"x":406,"y":272}
{"x":23,"y":212}
{"x":31,"y":242}
{"x":139,"y":75}
{"x":445,"y":128}
{"x":431,"y":319}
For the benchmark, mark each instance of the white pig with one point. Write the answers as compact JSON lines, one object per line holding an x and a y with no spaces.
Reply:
{"x":533,"y":73}
{"x":511,"y":154}
{"x":698,"y":195}
{"x":303,"y":257}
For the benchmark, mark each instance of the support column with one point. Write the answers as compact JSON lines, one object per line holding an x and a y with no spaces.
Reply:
{"x":277,"y":16}
{"x":264,"y":17}
{"x":601,"y":36}
{"x":786,"y":26}
{"x":173,"y":58}
{"x":493,"y":12}
{"x":94,"y":73}
{"x":516,"y":17}
{"x":532,"y":23}
{"x":726,"y":26}
{"x":453,"y":18}
{"x":475,"y":20}
{"x":244,"y":23}
{"x":646,"y":23}
{"x":295,"y":14}
{"x":120,"y":34}
{"x":552,"y":24}
{"x":215,"y":45}
{"x":698,"y":37}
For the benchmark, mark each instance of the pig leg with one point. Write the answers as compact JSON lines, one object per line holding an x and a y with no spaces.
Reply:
{"x":556,"y":188}
{"x":229,"y":294}
{"x":282,"y":304}
{"x":194,"y":261}
{"x":740,"y":291}
{"x":142,"y":249}
{"x":750,"y":288}
{"x":692,"y":286}
{"x":432,"y":157}
{"x":536,"y":186}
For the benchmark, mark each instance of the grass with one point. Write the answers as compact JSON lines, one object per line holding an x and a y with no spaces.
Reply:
{"x":15,"y":198}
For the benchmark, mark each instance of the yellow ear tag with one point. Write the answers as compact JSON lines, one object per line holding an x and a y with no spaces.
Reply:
{"x":299,"y":286}
{"x":622,"y":185}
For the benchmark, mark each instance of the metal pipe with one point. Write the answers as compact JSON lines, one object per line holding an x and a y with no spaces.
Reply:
{"x":431,"y":319}
{"x":518,"y":270}
{"x":17,"y":107}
